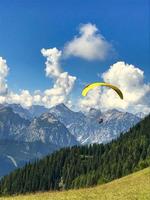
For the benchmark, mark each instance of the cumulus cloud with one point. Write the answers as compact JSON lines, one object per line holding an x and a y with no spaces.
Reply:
{"x":89,"y":45}
{"x":130,"y":80}
{"x":63,"y":82}
{"x":92,"y":100}
{"x":59,"y":93}
{"x":24,"y":98}
{"x":52,"y":63}
{"x":3,"y":74}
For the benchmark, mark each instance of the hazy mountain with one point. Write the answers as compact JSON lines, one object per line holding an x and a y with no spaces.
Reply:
{"x":140,"y":115}
{"x":92,"y":127}
{"x":94,"y":114}
{"x":12,"y":125}
{"x":17,"y":108}
{"x":65,"y":115}
{"x":46,"y":129}
{"x":37,"y":110}
{"x":15,"y":154}
{"x":49,"y":129}
{"x":27,"y":113}
{"x":23,"y":140}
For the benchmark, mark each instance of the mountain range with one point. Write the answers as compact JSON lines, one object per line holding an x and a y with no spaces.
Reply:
{"x":29,"y":134}
{"x":87,"y":128}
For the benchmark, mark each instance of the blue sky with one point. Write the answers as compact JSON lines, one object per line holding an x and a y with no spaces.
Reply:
{"x":28,"y":26}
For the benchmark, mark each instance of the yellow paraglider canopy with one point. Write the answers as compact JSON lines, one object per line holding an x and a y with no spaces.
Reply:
{"x":96,"y":84}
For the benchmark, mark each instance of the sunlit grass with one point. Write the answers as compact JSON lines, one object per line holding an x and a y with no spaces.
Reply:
{"x":133,"y":187}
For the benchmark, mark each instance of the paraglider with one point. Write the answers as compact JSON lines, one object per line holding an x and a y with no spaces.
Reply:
{"x":96,"y":84}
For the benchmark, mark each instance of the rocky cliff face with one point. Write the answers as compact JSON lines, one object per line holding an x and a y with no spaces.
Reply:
{"x":95,"y":126}
{"x":49,"y":129}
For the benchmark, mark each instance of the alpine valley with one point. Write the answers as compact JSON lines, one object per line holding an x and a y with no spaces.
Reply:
{"x":30,"y":134}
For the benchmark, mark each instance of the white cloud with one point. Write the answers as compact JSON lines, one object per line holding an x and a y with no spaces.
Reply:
{"x":52,"y":63}
{"x":2,"y":99}
{"x":59,"y":93}
{"x":89,"y":45}
{"x":63,"y":82}
{"x":92,"y":100}
{"x":3,"y":74}
{"x":130,"y":80}
{"x":24,"y":98}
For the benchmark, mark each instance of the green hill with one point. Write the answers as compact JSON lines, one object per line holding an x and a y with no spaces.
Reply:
{"x":84,"y":166}
{"x":132,"y":187}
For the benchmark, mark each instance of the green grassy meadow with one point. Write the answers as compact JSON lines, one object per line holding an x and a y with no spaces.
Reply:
{"x":133,"y":187}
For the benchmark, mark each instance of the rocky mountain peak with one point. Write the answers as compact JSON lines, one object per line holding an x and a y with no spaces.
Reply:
{"x":94,"y":113}
{"x":48,"y":117}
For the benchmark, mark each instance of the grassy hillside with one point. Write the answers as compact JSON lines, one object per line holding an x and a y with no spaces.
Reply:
{"x":133,"y":187}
